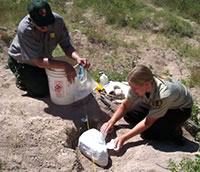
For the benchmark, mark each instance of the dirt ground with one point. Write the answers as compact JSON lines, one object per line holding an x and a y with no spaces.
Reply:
{"x":37,"y":135}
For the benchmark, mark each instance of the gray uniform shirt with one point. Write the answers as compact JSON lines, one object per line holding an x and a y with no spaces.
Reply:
{"x":31,"y":43}
{"x":164,"y":95}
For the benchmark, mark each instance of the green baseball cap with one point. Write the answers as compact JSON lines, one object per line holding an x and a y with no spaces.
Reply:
{"x":40,"y":12}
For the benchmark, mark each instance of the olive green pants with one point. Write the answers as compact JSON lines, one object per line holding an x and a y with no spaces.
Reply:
{"x":33,"y":78}
{"x":165,"y":127}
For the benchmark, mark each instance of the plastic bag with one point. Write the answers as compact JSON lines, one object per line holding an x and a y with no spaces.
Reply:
{"x":111,"y":145}
{"x":92,"y":144}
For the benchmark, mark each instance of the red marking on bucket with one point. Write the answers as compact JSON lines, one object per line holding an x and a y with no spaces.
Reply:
{"x":59,"y":89}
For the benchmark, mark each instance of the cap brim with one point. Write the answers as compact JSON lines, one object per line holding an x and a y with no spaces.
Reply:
{"x":45,"y":21}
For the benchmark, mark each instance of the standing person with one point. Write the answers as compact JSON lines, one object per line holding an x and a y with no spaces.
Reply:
{"x":156,"y":106}
{"x":31,"y":50}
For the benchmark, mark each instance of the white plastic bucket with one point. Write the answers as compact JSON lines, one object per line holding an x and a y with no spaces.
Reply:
{"x":62,"y":92}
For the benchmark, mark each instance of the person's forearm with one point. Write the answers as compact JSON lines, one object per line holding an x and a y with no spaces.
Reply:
{"x":75,"y":55}
{"x":117,"y":115}
{"x":49,"y":63}
{"x":121,"y":111}
{"x":71,"y":52}
{"x":140,"y":127}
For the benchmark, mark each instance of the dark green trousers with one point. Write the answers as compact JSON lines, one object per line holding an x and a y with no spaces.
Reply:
{"x":165,"y":127}
{"x":34,"y":78}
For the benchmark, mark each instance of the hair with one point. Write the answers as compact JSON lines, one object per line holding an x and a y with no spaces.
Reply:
{"x":163,"y":77}
{"x":140,"y":74}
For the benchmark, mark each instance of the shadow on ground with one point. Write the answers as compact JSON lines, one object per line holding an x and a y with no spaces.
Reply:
{"x":87,"y":108}
{"x":164,"y":146}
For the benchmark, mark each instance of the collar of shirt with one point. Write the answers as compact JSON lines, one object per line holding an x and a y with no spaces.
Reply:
{"x":158,"y":88}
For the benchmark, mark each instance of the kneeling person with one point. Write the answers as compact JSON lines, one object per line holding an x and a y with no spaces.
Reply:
{"x":157,"y":107}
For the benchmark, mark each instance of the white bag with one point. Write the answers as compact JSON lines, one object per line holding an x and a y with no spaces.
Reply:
{"x":92,"y":144}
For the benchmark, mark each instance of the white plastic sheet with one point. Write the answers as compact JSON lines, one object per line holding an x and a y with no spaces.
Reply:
{"x":92,"y":144}
{"x":111,"y":145}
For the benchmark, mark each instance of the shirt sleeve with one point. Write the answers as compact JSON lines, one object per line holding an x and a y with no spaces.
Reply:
{"x":64,"y":39}
{"x":131,"y":97}
{"x":160,"y":111}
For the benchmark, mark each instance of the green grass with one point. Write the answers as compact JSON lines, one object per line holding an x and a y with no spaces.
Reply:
{"x":186,"y":164}
{"x":12,"y":11}
{"x":195,"y":113}
{"x":194,"y":79}
{"x":195,"y":76}
{"x":138,"y":15}
{"x":112,"y":75}
{"x":197,"y":137}
{"x":122,"y":13}
{"x":189,"y":9}
{"x":133,"y":13}
{"x":166,"y":73}
{"x":187,"y":83}
{"x":128,"y":13}
{"x":176,"y":26}
{"x":186,"y":50}
{"x":58,"y":52}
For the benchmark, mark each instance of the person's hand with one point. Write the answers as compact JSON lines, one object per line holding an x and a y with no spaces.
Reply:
{"x":119,"y":142}
{"x":83,"y":62}
{"x":106,"y":128}
{"x":70,"y":72}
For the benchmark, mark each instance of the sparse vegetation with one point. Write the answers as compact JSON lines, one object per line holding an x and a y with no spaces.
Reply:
{"x":139,"y":15}
{"x":194,"y":78}
{"x":195,"y":112}
{"x":112,"y":76}
{"x":135,"y":14}
{"x":10,"y":19}
{"x":185,"y":49}
{"x":197,"y":137}
{"x":187,"y":83}
{"x":7,"y":39}
{"x":189,"y":9}
{"x":176,"y":21}
{"x":12,"y":11}
{"x":186,"y":164}
{"x":166,"y":73}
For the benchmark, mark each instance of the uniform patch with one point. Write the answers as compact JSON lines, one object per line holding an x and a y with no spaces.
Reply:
{"x":156,"y":103}
{"x":52,"y":35}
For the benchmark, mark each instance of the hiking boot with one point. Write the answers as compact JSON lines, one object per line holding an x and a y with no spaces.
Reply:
{"x":20,"y":85}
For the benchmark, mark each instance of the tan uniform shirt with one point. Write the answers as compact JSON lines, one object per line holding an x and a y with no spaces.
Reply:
{"x":164,"y":95}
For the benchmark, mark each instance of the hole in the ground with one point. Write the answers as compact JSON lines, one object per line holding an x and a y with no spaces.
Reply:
{"x":73,"y":134}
